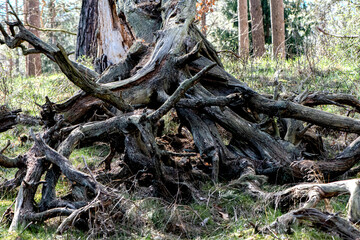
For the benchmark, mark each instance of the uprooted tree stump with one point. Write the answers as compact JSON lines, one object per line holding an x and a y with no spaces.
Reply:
{"x":172,"y":66}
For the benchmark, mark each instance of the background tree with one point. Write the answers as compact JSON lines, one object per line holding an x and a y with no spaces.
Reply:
{"x":32,"y":18}
{"x":257,"y":28}
{"x":11,"y":62}
{"x":86,"y":35}
{"x":203,"y":7}
{"x":52,"y":17}
{"x":203,"y":17}
{"x":243,"y":28}
{"x":278,"y":28}
{"x":225,"y":35}
{"x":60,"y":19}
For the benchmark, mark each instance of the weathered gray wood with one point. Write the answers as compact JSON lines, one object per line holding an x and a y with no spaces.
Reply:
{"x":327,"y":222}
{"x":340,"y":100}
{"x":24,"y":201}
{"x":66,"y":168}
{"x":7,"y":118}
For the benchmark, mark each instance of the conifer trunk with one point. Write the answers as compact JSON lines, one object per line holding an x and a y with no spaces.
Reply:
{"x":278,"y":28}
{"x":243,"y":28}
{"x":257,"y":28}
{"x":32,"y":17}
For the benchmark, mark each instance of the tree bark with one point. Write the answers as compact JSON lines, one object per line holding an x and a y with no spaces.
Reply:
{"x":11,"y":62}
{"x":52,"y":12}
{"x":86,"y":43}
{"x":203,"y":20}
{"x":114,"y":38}
{"x":32,"y":17}
{"x":278,"y":28}
{"x":17,"y":53}
{"x":243,"y":28}
{"x":257,"y":28}
{"x":102,"y":34}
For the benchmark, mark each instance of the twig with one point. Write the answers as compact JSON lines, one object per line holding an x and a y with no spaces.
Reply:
{"x":273,"y":233}
{"x":336,"y":35}
{"x":6,"y":211}
{"x":76,"y":213}
{"x":179,"y":154}
{"x":30,"y":223}
{"x":49,"y":29}
{"x":189,"y":56}
{"x":87,"y":167}
{"x":7,"y":145}
{"x":302,"y":132}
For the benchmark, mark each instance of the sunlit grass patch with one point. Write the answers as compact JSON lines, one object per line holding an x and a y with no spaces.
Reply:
{"x":25,"y":92}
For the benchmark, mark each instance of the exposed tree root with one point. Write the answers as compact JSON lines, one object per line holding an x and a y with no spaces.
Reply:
{"x":308,"y":196}
{"x":327,"y":222}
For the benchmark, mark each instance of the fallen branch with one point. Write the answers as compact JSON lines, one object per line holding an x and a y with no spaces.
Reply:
{"x":316,"y":99}
{"x":50,"y":29}
{"x":287,"y":109}
{"x":231,"y":52}
{"x":205,"y":102}
{"x":327,"y":222}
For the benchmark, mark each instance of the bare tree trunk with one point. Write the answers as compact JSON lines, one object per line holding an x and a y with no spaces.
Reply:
{"x":86,"y":38}
{"x":203,"y":23}
{"x":278,"y":28}
{"x":257,"y":28}
{"x":11,"y":62}
{"x":52,"y":11}
{"x":243,"y":28}
{"x":17,"y":60}
{"x":203,"y":19}
{"x":32,"y":17}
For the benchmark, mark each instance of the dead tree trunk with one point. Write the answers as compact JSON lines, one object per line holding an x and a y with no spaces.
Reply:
{"x":102,"y":34}
{"x":52,"y":11}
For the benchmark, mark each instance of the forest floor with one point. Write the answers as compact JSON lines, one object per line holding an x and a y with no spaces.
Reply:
{"x":226,"y":212}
